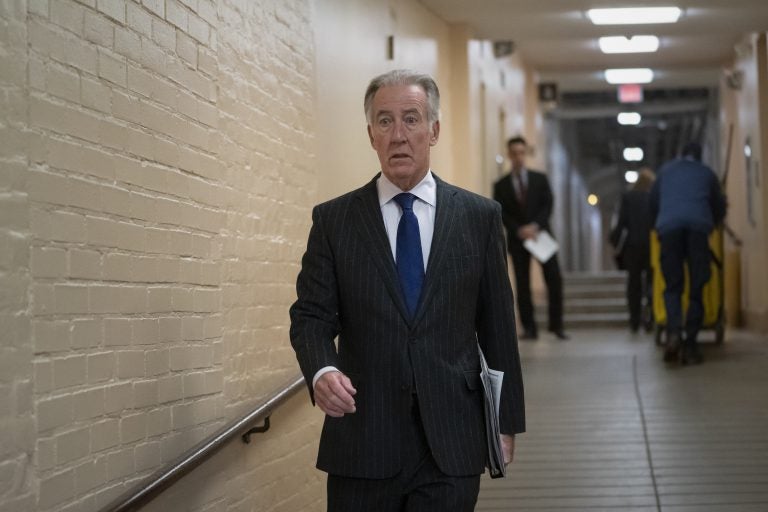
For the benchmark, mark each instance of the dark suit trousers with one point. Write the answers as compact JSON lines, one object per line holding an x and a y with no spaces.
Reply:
{"x":679,"y":247}
{"x":638,"y":263}
{"x":419,"y":487}
{"x":521,"y":261}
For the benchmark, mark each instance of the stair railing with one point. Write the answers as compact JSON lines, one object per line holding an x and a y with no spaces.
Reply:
{"x":143,"y":493}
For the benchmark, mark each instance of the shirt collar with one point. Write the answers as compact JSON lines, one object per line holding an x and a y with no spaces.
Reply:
{"x":523,"y":175}
{"x":425,"y":190}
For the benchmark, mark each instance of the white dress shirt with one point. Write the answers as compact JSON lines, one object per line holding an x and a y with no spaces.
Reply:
{"x":423,"y":207}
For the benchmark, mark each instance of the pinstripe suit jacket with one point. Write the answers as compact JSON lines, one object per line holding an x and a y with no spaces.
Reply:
{"x":348,"y":287}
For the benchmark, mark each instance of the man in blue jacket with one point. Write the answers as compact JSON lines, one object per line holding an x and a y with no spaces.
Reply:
{"x":686,"y":203}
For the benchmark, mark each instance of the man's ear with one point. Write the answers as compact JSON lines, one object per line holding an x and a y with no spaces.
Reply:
{"x":370,"y":134}
{"x":435,"y":133}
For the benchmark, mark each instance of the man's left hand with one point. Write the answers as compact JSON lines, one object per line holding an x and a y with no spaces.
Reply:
{"x":508,"y":447}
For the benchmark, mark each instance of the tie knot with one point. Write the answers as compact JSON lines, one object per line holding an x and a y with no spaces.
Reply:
{"x":405,"y":200}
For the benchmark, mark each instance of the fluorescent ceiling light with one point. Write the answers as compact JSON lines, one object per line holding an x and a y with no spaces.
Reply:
{"x":633,"y":154}
{"x":634,"y":15}
{"x":635,"y":44}
{"x":628,"y":118}
{"x":630,"y":176}
{"x":629,"y":76}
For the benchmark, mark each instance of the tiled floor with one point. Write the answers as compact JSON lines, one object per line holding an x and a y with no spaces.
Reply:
{"x":613,"y":428}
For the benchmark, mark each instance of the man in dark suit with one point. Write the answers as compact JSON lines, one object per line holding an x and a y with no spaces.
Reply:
{"x":409,"y":272}
{"x":526,"y":205}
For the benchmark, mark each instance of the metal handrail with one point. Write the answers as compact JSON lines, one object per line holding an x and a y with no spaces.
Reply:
{"x":141,"y":494}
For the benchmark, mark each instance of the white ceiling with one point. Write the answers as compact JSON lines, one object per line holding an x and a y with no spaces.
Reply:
{"x":557,"y":39}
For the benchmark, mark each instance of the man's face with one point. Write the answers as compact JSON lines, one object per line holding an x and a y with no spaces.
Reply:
{"x":516,"y":154}
{"x":401,"y":134}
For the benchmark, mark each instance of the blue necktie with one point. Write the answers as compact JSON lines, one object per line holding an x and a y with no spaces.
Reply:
{"x":410,"y":262}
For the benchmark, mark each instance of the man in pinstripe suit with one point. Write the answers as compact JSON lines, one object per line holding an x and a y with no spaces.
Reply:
{"x":404,"y":427}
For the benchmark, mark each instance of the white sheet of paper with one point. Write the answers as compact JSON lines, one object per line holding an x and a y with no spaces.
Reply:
{"x":542,"y":247}
{"x":497,"y":377}
{"x":492,"y":380}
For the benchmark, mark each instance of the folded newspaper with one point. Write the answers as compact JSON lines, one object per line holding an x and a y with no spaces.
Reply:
{"x":543,"y":247}
{"x":491,"y":380}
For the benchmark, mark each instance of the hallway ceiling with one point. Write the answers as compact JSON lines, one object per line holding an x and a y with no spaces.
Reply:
{"x":556,"y":38}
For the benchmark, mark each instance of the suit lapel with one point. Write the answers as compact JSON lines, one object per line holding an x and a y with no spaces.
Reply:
{"x":445,"y":220}
{"x":374,"y":237}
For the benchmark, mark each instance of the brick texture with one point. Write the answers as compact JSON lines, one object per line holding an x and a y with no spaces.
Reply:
{"x":17,"y":427}
{"x":155,"y":198}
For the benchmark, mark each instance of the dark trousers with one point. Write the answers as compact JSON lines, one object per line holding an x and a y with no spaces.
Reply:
{"x":419,"y":487}
{"x":678,"y":248}
{"x":521,"y":262}
{"x":638,"y":265}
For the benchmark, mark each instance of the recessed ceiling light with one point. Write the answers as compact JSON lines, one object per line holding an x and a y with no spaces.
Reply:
{"x":629,"y":118}
{"x":634,"y":15}
{"x":630,"y":176}
{"x":629,"y":76}
{"x":635,"y":44}
{"x":592,"y":199}
{"x":633,"y":154}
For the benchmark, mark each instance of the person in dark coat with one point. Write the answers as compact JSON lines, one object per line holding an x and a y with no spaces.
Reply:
{"x":686,"y":204}
{"x":631,"y":237}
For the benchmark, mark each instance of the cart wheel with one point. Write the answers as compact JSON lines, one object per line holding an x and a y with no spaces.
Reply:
{"x":659,"y":332}
{"x":720,"y":332}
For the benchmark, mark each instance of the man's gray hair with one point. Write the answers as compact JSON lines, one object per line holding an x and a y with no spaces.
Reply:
{"x":404,"y":77}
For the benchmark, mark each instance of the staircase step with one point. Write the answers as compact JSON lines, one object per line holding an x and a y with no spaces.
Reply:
{"x":592,"y":279}
{"x":591,"y":300}
{"x":585,"y":290}
{"x":596,"y":305}
{"x":597,"y":320}
{"x":588,"y":320}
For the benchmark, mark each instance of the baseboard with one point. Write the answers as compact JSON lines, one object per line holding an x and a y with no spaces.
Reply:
{"x":755,"y":321}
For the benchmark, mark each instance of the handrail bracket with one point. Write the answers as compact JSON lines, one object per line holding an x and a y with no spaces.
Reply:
{"x":256,"y":430}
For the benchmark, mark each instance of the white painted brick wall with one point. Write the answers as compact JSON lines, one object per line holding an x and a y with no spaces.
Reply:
{"x":155,"y":224}
{"x":17,"y":485}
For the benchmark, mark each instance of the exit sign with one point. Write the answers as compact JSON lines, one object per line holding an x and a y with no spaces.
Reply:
{"x":630,"y":93}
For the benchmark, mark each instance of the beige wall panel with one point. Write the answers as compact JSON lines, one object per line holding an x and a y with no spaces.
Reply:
{"x":351,"y":48}
{"x":745,"y":108}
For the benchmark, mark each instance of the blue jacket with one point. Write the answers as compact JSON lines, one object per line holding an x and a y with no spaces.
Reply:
{"x":686,"y":195}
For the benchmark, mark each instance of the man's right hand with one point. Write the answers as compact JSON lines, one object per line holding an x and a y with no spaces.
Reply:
{"x":334,"y":394}
{"x":528,"y":231}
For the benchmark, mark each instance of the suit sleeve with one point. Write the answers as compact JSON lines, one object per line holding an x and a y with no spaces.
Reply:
{"x":496,"y":332}
{"x":314,"y":315}
{"x":544,"y":207}
{"x":509,"y":221}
